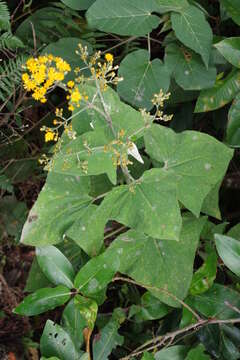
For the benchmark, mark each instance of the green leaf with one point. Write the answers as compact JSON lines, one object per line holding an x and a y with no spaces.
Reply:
{"x":43,"y":300}
{"x":150,"y":308}
{"x":197,"y":354}
{"x":204,"y":277}
{"x":55,"y":341}
{"x":74,"y":323}
{"x":177,"y":352}
{"x":57,"y":207}
{"x":142,"y":79}
{"x":192,"y":29}
{"x":230,"y":49}
{"x":211,"y":202}
{"x":221,"y":94}
{"x":201,"y":168}
{"x":232,"y":7}
{"x":147,"y":356}
{"x":36,"y":278}
{"x":148,"y":205}
{"x":88,"y":309}
{"x":229,"y":349}
{"x":229,"y":251}
{"x":129,"y":19}
{"x":234,"y":232}
{"x":188,"y":69}
{"x":233,"y":125}
{"x":88,"y":231}
{"x":213,"y":303}
{"x":94,"y":277}
{"x":171,"y":5}
{"x":78,"y":4}
{"x":156,"y":264}
{"x":108,"y":340}
{"x":55,"y":266}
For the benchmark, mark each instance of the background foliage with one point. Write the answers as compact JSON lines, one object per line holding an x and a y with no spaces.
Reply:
{"x":146,"y":270}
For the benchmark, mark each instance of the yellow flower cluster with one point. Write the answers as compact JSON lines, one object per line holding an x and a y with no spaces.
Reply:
{"x":158,"y":100}
{"x":119,"y":149}
{"x":42,"y":73}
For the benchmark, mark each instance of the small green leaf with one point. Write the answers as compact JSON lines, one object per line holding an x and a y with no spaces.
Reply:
{"x":221,"y":94}
{"x":233,"y":125}
{"x":177,"y":352}
{"x":188,"y":69}
{"x":192,"y":29}
{"x":88,"y":309}
{"x":213,"y":303}
{"x":229,"y":251}
{"x":36,"y":278}
{"x":55,"y":341}
{"x":197,"y":354}
{"x":204,"y":277}
{"x":55,"y":266}
{"x":74,"y":323}
{"x":129,"y":19}
{"x":43,"y":300}
{"x":232,"y":7}
{"x":147,"y":356}
{"x":150,"y":308}
{"x":142,"y":79}
{"x":108,"y":340}
{"x":230,"y":49}
{"x":78,"y":4}
{"x":234,"y":232}
{"x":94,"y":277}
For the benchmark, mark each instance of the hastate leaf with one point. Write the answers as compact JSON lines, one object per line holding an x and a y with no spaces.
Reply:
{"x":188,"y":69}
{"x":55,"y":210}
{"x":164,"y":267}
{"x":142,"y":78}
{"x":197,"y":171}
{"x":148,"y":205}
{"x":192,"y":29}
{"x":127,"y":18}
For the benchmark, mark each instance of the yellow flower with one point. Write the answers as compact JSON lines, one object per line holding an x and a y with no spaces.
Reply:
{"x":70,"y":84}
{"x":49,"y":136}
{"x":109,"y":57}
{"x":71,"y":108}
{"x":75,"y":96}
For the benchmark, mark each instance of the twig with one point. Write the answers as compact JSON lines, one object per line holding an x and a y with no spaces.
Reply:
{"x":160,"y":290}
{"x":160,"y":340}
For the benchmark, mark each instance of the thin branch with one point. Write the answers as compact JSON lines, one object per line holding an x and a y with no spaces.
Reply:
{"x":163,"y":291}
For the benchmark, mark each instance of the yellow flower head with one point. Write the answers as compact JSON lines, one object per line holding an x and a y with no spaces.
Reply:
{"x":75,"y":96}
{"x":70,"y":84}
{"x":109,"y":57}
{"x":49,"y":136}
